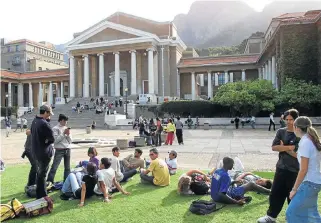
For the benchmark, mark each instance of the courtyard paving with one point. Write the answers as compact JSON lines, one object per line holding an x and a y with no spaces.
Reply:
{"x":202,"y":149}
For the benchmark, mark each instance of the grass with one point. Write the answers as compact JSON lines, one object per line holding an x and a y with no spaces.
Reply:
{"x":145,"y":204}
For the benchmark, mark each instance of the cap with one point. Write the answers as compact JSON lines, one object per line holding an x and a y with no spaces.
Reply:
{"x":46,"y":108}
{"x":173,"y":152}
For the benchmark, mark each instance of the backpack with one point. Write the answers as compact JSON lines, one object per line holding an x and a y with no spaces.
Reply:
{"x":31,"y":190}
{"x":39,"y":207}
{"x":10,"y":210}
{"x":201,"y":207}
{"x":199,"y":187}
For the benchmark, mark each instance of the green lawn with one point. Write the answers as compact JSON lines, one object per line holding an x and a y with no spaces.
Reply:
{"x":145,"y":204}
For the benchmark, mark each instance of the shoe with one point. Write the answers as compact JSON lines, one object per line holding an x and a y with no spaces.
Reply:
{"x":248,"y":199}
{"x":266,"y":219}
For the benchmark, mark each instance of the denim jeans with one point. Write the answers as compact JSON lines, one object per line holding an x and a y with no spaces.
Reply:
{"x":70,"y":184}
{"x":147,"y":179}
{"x":128,"y":174}
{"x":43,"y":165}
{"x":33,"y":170}
{"x":59,"y":154}
{"x":304,"y":205}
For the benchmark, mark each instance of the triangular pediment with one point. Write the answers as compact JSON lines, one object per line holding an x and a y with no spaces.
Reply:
{"x":109,"y":34}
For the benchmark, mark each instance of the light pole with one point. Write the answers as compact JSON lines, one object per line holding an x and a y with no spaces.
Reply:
{"x":126,"y":90}
{"x":7,"y":96}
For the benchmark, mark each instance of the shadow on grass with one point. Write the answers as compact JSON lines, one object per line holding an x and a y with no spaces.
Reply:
{"x":173,"y":198}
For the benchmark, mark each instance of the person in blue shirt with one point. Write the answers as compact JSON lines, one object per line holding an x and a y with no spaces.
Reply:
{"x":227,"y":192}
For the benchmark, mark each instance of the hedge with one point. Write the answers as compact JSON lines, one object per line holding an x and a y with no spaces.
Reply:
{"x":3,"y":111}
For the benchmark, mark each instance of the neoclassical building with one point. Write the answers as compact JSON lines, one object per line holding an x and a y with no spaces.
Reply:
{"x":125,"y":51}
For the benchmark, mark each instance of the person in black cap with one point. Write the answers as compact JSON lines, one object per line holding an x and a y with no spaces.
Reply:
{"x":41,"y":147}
{"x":62,"y":146}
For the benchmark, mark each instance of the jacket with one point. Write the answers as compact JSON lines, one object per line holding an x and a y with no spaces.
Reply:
{"x":62,"y":141}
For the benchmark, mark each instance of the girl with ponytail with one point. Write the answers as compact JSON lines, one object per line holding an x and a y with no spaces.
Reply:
{"x":304,"y":195}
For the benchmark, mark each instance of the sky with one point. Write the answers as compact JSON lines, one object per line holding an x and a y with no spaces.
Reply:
{"x":55,"y":21}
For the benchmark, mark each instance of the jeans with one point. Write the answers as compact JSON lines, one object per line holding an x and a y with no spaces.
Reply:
{"x":147,"y":179}
{"x":252,"y":124}
{"x":179,"y":135}
{"x":158,"y":139}
{"x":128,"y":175}
{"x":59,"y":154}
{"x":304,"y":205}
{"x":271,"y":123}
{"x":43,"y":166}
{"x":282,"y":185}
{"x":71,"y":184}
{"x":33,"y":170}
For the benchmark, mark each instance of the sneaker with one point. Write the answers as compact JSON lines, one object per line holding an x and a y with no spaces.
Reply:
{"x":266,"y":219}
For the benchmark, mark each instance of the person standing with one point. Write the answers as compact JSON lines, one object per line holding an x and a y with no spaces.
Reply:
{"x":272,"y":121}
{"x":236,"y":121}
{"x":287,"y":167}
{"x":158,"y":134}
{"x":7,"y":123}
{"x":33,"y":170}
{"x":19,"y":120}
{"x":62,"y":147}
{"x":304,"y":194}
{"x":179,"y":131}
{"x":42,"y":138}
{"x":170,"y":132}
{"x":282,"y":121}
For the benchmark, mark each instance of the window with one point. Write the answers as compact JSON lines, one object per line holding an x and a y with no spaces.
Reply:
{"x":17,"y":48}
{"x":8,"y":49}
{"x":221,"y":78}
{"x":39,"y":68}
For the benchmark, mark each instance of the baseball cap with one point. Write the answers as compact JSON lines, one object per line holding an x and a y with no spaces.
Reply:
{"x":173,"y":152}
{"x":46,"y":108}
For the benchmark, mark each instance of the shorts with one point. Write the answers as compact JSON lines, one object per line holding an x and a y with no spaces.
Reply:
{"x":236,"y":193}
{"x":18,"y":126}
{"x":25,"y":126}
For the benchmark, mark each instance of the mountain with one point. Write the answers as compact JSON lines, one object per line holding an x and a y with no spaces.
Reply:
{"x":226,"y":23}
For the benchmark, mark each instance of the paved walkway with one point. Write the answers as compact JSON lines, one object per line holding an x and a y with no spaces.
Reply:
{"x":202,"y":149}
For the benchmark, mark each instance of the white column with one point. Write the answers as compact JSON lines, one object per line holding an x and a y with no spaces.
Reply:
{"x":151,"y":89}
{"x":9,"y":95}
{"x":86,"y":76}
{"x":243,"y":75}
{"x":71,"y":77}
{"x":232,"y":77}
{"x":40,"y":95}
{"x":30,"y":95}
{"x":20,"y":95}
{"x":193,"y":86}
{"x":101,"y":75}
{"x":209,"y":84}
{"x":216,"y":79}
{"x":133,"y":85}
{"x":50,"y":95}
{"x":117,"y":75}
{"x":202,"y":80}
{"x":226,"y":77}
{"x":178,"y":84}
{"x":259,"y":73}
{"x":270,"y":70}
{"x":263,"y":72}
{"x":62,"y":89}
{"x":273,"y":68}
{"x":266,"y":71}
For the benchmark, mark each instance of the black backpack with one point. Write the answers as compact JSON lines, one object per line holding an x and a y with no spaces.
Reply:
{"x":199,"y":187}
{"x":201,"y":207}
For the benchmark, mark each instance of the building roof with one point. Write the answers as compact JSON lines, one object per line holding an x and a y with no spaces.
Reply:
{"x":221,"y":60}
{"x":37,"y":74}
{"x":309,"y":16}
{"x":31,"y":42}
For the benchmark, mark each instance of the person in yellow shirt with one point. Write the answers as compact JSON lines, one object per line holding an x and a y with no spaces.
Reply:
{"x":170,"y":132}
{"x":158,"y":168}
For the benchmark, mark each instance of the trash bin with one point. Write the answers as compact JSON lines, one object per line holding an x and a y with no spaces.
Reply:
{"x":122,"y":143}
{"x":88,"y":129}
{"x":206,"y":126}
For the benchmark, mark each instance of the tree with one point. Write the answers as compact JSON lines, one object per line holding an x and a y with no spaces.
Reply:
{"x":247,"y":97}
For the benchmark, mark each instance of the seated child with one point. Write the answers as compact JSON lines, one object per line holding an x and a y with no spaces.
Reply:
{"x":83,"y":190}
{"x":81,"y":167}
{"x":186,"y":181}
{"x":172,"y":162}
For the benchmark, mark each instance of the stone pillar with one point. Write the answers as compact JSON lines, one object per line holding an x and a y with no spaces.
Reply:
{"x":226,"y":77}
{"x":259,"y":73}
{"x":231,"y":77}
{"x":263,"y":72}
{"x":266,"y":72}
{"x":72,"y":77}
{"x":93,"y":65}
{"x":117,"y":75}
{"x":193,"y":86}
{"x":269,"y":70}
{"x":50,"y":95}
{"x":151,"y":89}
{"x":30,"y":95}
{"x":209,"y":84}
{"x":216,"y":79}
{"x":62,"y":89}
{"x":101,"y":75}
{"x":202,"y":80}
{"x":273,"y":68}
{"x":178,"y":84}
{"x":20,"y":95}
{"x":80,"y":85}
{"x":243,"y":75}
{"x":9,"y":95}
{"x":133,"y":68}
{"x":86,"y":76}
{"x":40,"y":95}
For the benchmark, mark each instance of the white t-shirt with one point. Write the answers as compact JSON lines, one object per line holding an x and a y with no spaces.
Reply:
{"x":116,"y":166}
{"x":172,"y":164}
{"x":107,"y":176}
{"x":19,"y":121}
{"x":308,"y":150}
{"x":24,"y":121}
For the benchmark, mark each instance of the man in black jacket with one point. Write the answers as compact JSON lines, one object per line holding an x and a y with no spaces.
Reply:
{"x":33,"y":170}
{"x":41,"y":145}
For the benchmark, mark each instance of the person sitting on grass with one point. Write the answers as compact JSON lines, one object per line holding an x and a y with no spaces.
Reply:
{"x":107,"y":182}
{"x":83,"y":190}
{"x":133,"y":161}
{"x":187,"y":179}
{"x":172,"y":162}
{"x":158,"y":168}
{"x":227,"y":192}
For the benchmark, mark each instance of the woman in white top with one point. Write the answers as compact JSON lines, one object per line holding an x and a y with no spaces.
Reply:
{"x":304,"y":195}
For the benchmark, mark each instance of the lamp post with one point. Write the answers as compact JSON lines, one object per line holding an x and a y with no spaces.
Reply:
{"x":7,"y":96}
{"x":126,"y":90}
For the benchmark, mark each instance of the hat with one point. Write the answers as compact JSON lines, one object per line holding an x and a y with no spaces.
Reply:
{"x":46,"y":108}
{"x":173,"y":152}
